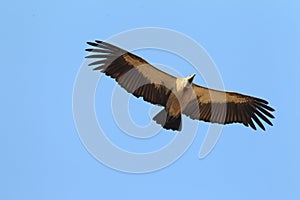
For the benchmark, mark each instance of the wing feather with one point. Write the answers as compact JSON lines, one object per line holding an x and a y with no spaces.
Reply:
{"x":132,"y":72}
{"x":228,"y":107}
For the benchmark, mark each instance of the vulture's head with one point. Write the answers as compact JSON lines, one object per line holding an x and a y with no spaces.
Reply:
{"x":190,"y":78}
{"x":184,"y":83}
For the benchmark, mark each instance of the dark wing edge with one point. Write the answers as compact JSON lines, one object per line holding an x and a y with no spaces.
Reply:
{"x":132,"y":72}
{"x":228,"y":107}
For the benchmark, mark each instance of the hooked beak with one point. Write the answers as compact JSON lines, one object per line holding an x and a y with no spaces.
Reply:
{"x":191,"y":78}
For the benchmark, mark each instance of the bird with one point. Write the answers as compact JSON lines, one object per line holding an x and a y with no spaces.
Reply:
{"x":179,"y":96}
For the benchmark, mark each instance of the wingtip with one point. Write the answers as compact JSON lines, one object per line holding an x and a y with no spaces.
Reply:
{"x":88,"y":56}
{"x":89,"y":50}
{"x":270,"y":108}
{"x":99,"y":41}
{"x":261,"y":100}
{"x":253,"y":127}
{"x":93,"y":44}
{"x":100,"y":68}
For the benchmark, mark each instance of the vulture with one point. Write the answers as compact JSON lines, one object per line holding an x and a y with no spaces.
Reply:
{"x":178,"y":96}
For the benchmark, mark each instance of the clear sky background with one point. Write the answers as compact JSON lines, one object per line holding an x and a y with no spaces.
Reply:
{"x":255,"y":44}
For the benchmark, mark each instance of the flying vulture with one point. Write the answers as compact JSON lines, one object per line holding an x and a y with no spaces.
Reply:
{"x":177,"y":95}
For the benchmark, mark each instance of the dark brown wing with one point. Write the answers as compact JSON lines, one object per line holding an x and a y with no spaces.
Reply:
{"x":228,"y":107}
{"x":133,"y":73}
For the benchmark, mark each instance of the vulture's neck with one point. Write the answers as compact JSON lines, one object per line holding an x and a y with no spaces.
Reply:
{"x":181,"y":84}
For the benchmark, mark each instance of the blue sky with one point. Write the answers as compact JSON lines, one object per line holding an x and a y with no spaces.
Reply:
{"x":255,"y":44}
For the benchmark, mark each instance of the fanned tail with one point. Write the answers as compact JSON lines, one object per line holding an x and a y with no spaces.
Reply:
{"x":168,"y":121}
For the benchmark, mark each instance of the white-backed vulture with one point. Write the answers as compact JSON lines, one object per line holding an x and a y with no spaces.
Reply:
{"x":177,"y":95}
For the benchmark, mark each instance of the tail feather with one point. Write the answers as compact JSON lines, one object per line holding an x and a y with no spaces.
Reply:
{"x":168,"y":121}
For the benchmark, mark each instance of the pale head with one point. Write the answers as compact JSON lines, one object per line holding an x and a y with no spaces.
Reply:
{"x":184,"y":83}
{"x":190,"y":78}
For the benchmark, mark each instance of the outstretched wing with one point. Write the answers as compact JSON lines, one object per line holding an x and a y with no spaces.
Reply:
{"x":228,"y":107}
{"x":133,"y":73}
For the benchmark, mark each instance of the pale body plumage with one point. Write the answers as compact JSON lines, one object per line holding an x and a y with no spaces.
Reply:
{"x":180,"y":95}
